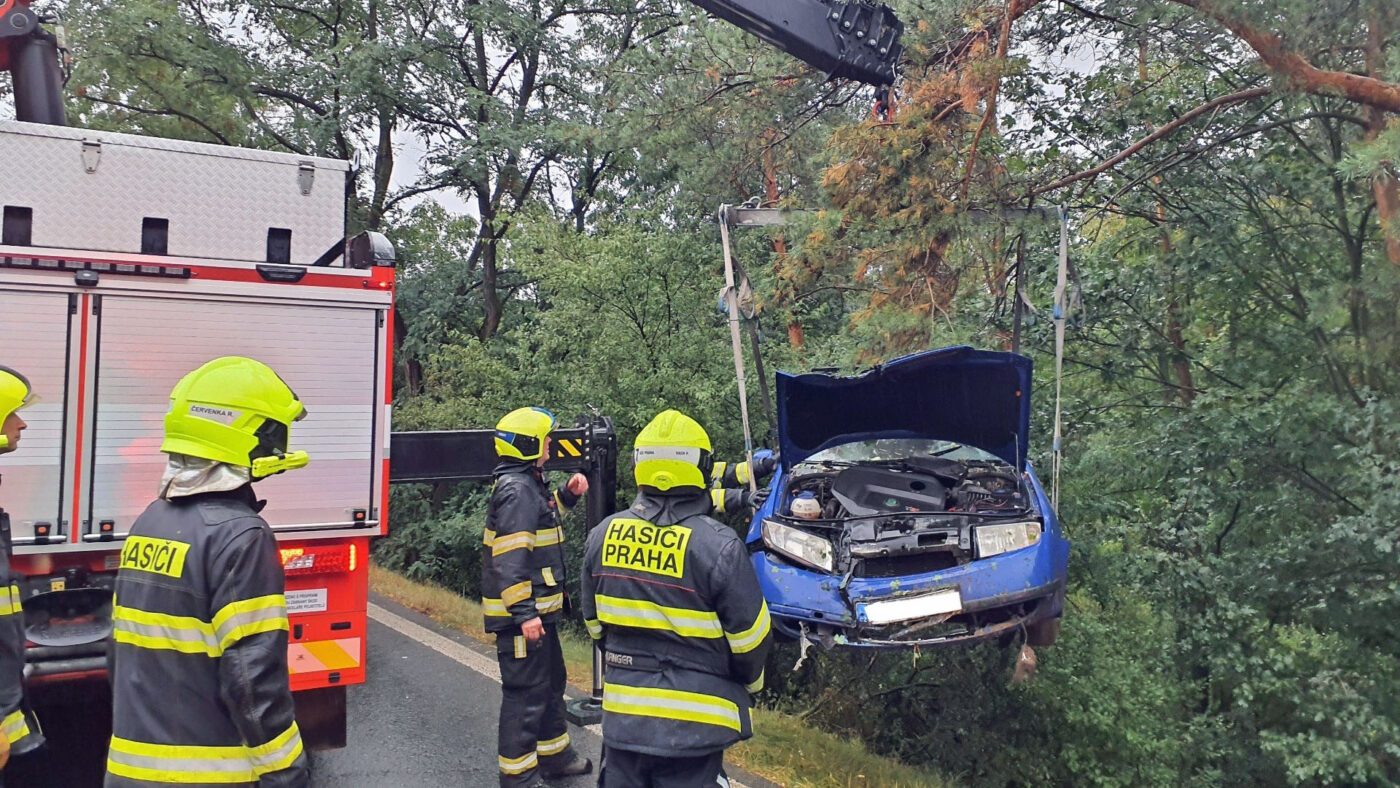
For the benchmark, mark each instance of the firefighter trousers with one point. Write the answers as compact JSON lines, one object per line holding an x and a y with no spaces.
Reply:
{"x":533,"y":732}
{"x":626,"y":769}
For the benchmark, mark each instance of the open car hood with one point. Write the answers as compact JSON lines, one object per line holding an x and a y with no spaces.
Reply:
{"x":978,"y":398}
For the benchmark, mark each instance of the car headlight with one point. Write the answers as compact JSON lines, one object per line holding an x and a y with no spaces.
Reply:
{"x":799,"y":545}
{"x":1005,"y":537}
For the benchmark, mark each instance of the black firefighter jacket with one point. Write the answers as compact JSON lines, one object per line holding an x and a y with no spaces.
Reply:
{"x":15,"y":724}
{"x":522,"y":555}
{"x":685,"y":630}
{"x":199,"y":681}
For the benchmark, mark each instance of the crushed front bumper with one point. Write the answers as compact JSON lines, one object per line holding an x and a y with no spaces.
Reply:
{"x":998,"y":596}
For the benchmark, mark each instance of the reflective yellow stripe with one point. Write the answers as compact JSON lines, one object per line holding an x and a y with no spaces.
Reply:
{"x":671,"y":704}
{"x":748,"y":640}
{"x":548,"y":575}
{"x":741,"y":472}
{"x":184,"y":764}
{"x":520,"y":647}
{"x":10,"y":601}
{"x":278,"y":754}
{"x":552,"y":746}
{"x":14,"y":727}
{"x":516,"y":593}
{"x":500,"y":545}
{"x":544,"y":604}
{"x":144,"y":629}
{"x":644,"y":614}
{"x":717,"y":471}
{"x":517,"y":765}
{"x":549,"y":536}
{"x":247,"y":617}
{"x":594,"y":628}
{"x":717,"y":499}
{"x":757,"y":685}
{"x":551,"y":603}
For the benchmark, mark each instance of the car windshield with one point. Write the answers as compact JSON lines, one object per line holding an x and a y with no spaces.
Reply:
{"x":898,"y":449}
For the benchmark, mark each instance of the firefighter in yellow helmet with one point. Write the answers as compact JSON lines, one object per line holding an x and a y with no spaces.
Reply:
{"x":199,"y":679}
{"x":522,"y":589}
{"x":19,"y":731}
{"x":671,"y":595}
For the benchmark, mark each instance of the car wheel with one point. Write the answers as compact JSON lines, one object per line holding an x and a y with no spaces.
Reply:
{"x":1043,"y":632}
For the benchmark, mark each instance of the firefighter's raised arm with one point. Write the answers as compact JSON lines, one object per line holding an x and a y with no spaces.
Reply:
{"x":567,"y":495}
{"x":731,"y":475}
{"x":250,"y":619}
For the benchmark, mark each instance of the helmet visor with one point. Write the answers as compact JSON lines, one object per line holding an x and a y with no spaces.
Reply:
{"x":272,"y":438}
{"x":30,"y":397}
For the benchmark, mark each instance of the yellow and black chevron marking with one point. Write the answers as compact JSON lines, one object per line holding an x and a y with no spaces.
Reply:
{"x":571,"y":448}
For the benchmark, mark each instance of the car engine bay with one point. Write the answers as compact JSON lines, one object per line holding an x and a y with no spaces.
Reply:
{"x":887,"y":518}
{"x":913,"y":485}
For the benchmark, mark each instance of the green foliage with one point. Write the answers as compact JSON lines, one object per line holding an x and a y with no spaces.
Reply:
{"x":1232,"y":387}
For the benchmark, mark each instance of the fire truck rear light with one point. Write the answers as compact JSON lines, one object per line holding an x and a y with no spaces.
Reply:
{"x":41,"y":529}
{"x":106,"y":526}
{"x":297,"y":561}
{"x":359,"y":515}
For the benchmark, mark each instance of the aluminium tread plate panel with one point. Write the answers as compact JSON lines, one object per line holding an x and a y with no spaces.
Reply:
{"x":326,"y":354}
{"x":220,"y":201}
{"x":33,"y":341}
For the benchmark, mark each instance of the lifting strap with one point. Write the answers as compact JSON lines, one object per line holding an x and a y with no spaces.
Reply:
{"x":731,"y":297}
{"x":1060,"y":314}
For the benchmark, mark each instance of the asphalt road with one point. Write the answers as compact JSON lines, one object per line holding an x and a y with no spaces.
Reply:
{"x":426,"y":717}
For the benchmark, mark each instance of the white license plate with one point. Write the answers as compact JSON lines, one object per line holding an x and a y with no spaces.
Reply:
{"x":889,"y":611}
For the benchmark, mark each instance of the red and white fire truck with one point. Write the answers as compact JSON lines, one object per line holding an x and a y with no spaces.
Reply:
{"x":127,"y":261}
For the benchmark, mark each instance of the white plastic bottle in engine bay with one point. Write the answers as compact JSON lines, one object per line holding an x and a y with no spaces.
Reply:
{"x":806,"y":507}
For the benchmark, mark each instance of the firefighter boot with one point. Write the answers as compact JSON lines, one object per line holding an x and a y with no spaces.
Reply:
{"x":573,"y":764}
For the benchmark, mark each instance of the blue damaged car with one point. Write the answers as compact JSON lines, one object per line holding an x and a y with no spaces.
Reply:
{"x":904,"y":513}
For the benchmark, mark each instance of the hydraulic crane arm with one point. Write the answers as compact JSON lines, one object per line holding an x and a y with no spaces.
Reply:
{"x":30,"y":54}
{"x":856,"y":40}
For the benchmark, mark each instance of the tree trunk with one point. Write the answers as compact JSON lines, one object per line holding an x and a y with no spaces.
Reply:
{"x":490,"y":296}
{"x":413,"y":368}
{"x":383,"y":166}
{"x":1380,"y":20}
{"x":1181,"y":363}
{"x":384,"y":147}
{"x":1388,"y":211}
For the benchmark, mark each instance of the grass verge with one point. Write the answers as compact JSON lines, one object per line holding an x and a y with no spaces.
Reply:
{"x":783,"y":749}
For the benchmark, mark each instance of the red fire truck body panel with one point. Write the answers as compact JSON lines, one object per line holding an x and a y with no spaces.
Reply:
{"x":106,"y":325}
